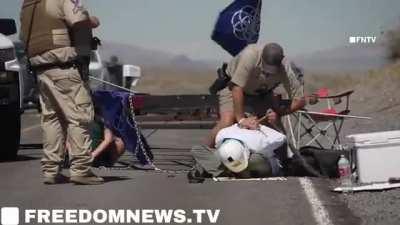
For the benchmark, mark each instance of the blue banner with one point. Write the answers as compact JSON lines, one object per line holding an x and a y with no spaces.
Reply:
{"x":238,"y":25}
{"x":116,"y":112}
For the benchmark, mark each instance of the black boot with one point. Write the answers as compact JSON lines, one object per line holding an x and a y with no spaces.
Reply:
{"x":197,"y":174}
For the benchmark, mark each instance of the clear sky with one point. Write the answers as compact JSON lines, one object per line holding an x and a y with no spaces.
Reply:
{"x":184,"y":26}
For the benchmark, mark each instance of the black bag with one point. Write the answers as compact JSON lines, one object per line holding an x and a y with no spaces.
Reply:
{"x":322,"y":160}
{"x":222,"y":80}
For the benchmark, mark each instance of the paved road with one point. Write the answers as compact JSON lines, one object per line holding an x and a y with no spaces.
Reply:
{"x":294,"y":201}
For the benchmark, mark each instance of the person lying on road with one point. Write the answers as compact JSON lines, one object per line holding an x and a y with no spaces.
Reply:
{"x":240,"y":152}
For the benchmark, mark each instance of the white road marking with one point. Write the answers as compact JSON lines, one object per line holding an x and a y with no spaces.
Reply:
{"x":223,"y":179}
{"x":27,"y":129}
{"x":320,"y":213}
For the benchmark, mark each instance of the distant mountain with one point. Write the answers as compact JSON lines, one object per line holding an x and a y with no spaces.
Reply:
{"x":150,"y":59}
{"x":162,"y":72}
{"x":354,"y":58}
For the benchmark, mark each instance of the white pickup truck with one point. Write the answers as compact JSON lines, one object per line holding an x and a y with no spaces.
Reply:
{"x":11,"y":92}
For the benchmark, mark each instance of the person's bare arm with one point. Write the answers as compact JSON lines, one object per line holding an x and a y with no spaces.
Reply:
{"x":238,"y":102}
{"x":297,"y":104}
{"x":238,"y":107}
{"x":294,"y":86}
{"x":240,"y":77}
{"x":108,"y":139}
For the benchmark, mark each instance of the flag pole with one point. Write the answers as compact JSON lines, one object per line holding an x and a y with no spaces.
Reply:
{"x":259,"y":6}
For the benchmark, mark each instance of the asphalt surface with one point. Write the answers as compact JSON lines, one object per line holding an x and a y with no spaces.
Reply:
{"x":241,"y":202}
{"x":375,"y":207}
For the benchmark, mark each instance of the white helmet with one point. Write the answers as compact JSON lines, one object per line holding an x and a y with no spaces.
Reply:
{"x":234,"y":155}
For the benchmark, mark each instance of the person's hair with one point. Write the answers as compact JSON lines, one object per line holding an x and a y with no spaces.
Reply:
{"x":273,"y":54}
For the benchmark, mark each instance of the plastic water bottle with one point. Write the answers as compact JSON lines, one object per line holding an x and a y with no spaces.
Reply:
{"x":344,"y":172}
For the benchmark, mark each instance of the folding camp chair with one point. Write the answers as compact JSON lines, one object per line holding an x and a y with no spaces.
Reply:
{"x":321,"y":127}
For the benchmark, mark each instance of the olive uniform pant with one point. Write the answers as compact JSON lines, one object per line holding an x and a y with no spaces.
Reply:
{"x":207,"y":161}
{"x":67,"y":110}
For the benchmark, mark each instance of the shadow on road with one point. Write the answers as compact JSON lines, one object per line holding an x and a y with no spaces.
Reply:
{"x":25,"y":158}
{"x":30,"y":146}
{"x":108,"y":179}
{"x":171,"y":149}
{"x":19,"y":158}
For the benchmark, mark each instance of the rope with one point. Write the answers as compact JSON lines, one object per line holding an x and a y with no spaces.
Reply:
{"x":111,"y":84}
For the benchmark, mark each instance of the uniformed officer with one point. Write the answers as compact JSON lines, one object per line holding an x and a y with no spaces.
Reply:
{"x":67,"y":109}
{"x":254,"y":74}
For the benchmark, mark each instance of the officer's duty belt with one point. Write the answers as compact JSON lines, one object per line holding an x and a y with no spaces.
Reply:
{"x":49,"y":66}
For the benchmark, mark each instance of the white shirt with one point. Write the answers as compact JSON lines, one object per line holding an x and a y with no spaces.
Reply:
{"x":263,"y":141}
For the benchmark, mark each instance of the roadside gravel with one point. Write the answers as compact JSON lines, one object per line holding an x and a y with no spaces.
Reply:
{"x":375,"y":208}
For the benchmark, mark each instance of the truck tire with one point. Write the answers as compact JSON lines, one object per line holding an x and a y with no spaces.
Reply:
{"x":10,"y":132}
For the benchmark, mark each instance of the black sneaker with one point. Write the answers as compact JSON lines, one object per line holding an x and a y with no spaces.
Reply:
{"x":195,"y":177}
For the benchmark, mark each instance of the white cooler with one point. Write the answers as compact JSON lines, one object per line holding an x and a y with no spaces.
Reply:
{"x":378,"y":156}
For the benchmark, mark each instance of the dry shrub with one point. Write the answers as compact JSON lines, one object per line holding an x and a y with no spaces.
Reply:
{"x":170,"y":81}
{"x":336,"y":82}
{"x":393,"y":43}
{"x":372,"y":82}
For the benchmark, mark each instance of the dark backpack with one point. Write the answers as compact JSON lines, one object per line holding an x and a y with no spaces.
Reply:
{"x":324,"y":161}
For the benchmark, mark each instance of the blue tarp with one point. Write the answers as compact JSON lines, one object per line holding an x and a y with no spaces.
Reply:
{"x":114,"y":107}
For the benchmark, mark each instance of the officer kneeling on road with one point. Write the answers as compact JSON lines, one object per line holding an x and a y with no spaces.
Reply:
{"x":50,"y":29}
{"x":241,"y":153}
{"x":249,"y":84}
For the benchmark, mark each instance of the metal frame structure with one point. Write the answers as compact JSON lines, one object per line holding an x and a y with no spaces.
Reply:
{"x":321,"y":129}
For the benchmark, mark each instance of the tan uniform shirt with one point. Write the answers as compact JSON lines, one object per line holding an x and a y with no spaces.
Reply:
{"x":246,"y":71}
{"x":65,"y":100}
{"x":71,"y":13}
